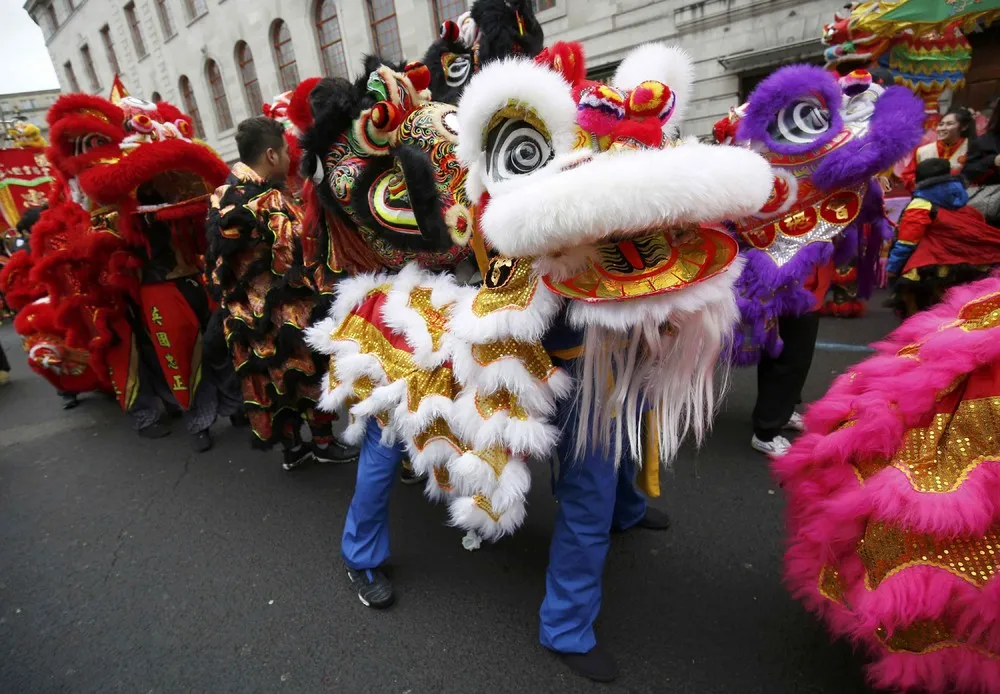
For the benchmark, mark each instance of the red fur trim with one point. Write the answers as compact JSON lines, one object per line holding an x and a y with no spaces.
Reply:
{"x":113,"y":183}
{"x":299,"y":110}
{"x":567,"y":59}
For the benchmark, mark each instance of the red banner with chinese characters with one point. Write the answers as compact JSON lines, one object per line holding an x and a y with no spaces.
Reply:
{"x":25,"y":182}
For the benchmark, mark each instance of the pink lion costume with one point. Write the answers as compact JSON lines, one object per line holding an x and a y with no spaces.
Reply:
{"x":894,"y":501}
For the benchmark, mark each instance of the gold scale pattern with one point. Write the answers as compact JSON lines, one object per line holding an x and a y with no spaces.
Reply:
{"x":885,"y":550}
{"x":939,"y":458}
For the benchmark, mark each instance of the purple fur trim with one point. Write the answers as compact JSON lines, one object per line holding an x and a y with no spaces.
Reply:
{"x":879,"y":231}
{"x":894,"y":130}
{"x":845,"y":248}
{"x":765,"y":292}
{"x":785,"y":86}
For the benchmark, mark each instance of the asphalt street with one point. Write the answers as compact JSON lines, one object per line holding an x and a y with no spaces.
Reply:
{"x":136,"y":566}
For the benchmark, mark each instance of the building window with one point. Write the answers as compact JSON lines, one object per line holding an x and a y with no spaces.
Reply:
{"x":50,"y":12}
{"x":251,"y":87}
{"x":445,"y":10}
{"x":166,"y":19}
{"x":88,"y":65}
{"x":191,"y":106}
{"x":109,"y":49}
{"x":284,"y":56}
{"x":133,"y":24}
{"x":74,"y":84}
{"x":156,"y":98}
{"x":223,"y":117}
{"x":385,"y":29}
{"x":543,"y":4}
{"x":195,"y":8}
{"x":331,"y":46}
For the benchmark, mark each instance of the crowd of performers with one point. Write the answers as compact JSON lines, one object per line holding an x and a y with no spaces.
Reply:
{"x":486,"y":261}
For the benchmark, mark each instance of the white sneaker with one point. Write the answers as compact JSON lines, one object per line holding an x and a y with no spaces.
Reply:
{"x":775,"y":448}
{"x":795,"y":423}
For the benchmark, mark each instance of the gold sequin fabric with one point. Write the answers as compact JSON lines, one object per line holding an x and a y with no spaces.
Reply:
{"x":531,"y":355}
{"x":886,"y":549}
{"x":939,"y":457}
{"x":509,"y":285}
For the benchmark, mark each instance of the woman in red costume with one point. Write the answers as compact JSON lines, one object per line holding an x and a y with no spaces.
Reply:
{"x":953,"y":133}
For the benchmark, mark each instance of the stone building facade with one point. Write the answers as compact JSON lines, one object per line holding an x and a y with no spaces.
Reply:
{"x":220,"y":58}
{"x":28,"y":106}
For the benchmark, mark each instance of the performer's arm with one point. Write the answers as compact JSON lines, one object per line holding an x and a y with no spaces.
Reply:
{"x":912,"y":226}
{"x":983,"y":162}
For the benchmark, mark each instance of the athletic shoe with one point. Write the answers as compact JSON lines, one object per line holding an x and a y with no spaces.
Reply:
{"x":201,"y":442}
{"x":156,"y":430}
{"x":297,"y":458}
{"x":654,"y":519}
{"x":795,"y":423}
{"x":335,"y":452}
{"x":596,"y":664}
{"x":775,"y":448}
{"x":407,"y":475}
{"x":374,"y":589}
{"x":70,"y":401}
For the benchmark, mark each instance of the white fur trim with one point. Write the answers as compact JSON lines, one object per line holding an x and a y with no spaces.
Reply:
{"x":531,"y":436}
{"x":620,"y":192}
{"x":401,"y":317}
{"x":528,"y":324}
{"x":467,"y":516}
{"x":657,"y":61}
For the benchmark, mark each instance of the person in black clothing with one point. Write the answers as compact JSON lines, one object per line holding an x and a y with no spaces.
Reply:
{"x":982,"y":169}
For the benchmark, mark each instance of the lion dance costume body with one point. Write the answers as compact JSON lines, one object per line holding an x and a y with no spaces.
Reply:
{"x":826,"y":140}
{"x":110,"y":296}
{"x":894,"y":501}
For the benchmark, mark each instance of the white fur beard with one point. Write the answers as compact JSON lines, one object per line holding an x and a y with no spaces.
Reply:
{"x":666,"y":366}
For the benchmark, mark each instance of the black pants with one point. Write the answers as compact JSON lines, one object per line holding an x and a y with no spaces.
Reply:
{"x":4,"y":364}
{"x":780,"y":380}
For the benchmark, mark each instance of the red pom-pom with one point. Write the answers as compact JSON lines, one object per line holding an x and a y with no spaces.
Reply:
{"x":299,"y":110}
{"x":419,"y":76}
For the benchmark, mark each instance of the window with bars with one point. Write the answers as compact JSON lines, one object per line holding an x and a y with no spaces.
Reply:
{"x":223,"y":117}
{"x":133,"y":25}
{"x":74,"y":84}
{"x":191,"y":105}
{"x":385,"y":29}
{"x":88,"y":66}
{"x":445,"y":10}
{"x":109,"y":49}
{"x":166,"y":19}
{"x":248,"y":72}
{"x":331,"y":45}
{"x":195,"y":8}
{"x":284,"y":56}
{"x":540,"y":5}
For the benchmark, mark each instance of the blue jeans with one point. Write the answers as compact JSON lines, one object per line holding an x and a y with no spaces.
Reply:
{"x":593,"y":498}
{"x":365,"y":544}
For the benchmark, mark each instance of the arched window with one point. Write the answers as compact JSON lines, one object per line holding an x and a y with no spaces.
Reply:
{"x":251,"y":87}
{"x":284,"y":56}
{"x":191,"y":106}
{"x":385,"y":29}
{"x":223,"y":117}
{"x":445,"y":10}
{"x":156,"y":98}
{"x":331,"y":46}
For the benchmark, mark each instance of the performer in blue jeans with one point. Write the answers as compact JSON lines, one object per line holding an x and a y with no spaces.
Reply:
{"x":594,"y":499}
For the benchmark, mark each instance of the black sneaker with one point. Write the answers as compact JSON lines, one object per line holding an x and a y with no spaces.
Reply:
{"x":201,"y":442}
{"x":70,"y":401}
{"x":336,"y":452}
{"x":156,"y":430}
{"x":297,"y":458}
{"x":407,"y":475}
{"x":655,"y":519}
{"x":596,"y":665}
{"x":374,"y":589}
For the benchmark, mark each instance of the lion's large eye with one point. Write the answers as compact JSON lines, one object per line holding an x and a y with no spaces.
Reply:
{"x":88,"y":142}
{"x":800,"y":122}
{"x":516,"y":148}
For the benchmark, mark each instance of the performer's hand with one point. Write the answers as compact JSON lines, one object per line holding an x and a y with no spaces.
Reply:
{"x":996,"y":160}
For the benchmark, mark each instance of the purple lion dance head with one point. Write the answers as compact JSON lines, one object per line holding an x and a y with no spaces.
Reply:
{"x":826,"y":139}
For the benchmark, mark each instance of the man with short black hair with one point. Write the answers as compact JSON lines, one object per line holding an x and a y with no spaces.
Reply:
{"x":268,"y":294}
